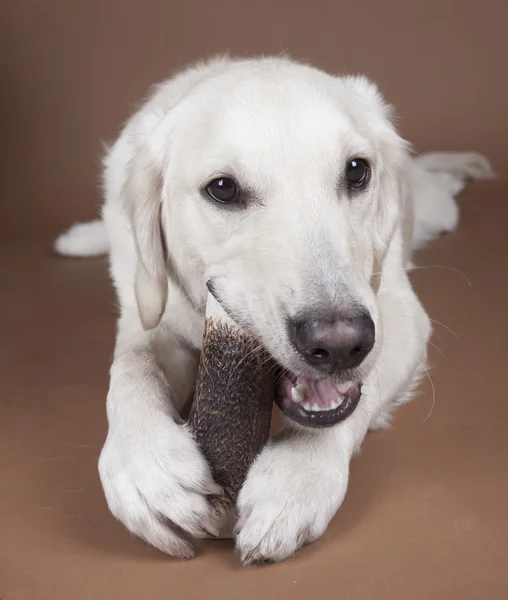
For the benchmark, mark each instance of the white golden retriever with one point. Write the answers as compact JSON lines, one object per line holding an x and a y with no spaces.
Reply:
{"x":288,"y":193}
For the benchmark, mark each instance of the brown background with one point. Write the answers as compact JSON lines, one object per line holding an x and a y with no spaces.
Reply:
{"x":426,"y":514}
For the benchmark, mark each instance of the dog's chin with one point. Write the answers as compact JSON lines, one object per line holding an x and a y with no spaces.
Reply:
{"x":316,"y":403}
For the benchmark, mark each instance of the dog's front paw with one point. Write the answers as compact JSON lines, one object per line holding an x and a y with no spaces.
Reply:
{"x":288,"y":499}
{"x":157,"y":484}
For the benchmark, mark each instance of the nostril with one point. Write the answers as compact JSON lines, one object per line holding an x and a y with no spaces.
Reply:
{"x":357,"y":351}
{"x":319,"y":354}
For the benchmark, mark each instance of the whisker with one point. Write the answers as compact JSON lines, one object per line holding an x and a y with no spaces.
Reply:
{"x":433,"y":392}
{"x":245,"y":358}
{"x":453,"y":269}
{"x":445,"y":327}
{"x":437,"y":323}
{"x":411,"y":336}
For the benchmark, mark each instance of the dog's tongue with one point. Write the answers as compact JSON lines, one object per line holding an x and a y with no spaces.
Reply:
{"x":317,"y":403}
{"x":322,"y":394}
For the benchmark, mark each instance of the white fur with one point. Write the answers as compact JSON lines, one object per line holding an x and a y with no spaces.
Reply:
{"x":83,"y":239}
{"x":285,"y":131}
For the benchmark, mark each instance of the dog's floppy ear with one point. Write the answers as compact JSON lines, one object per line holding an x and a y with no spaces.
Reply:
{"x":143,"y":195}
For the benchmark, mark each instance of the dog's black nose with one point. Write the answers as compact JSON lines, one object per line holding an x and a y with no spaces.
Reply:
{"x":333,"y":344}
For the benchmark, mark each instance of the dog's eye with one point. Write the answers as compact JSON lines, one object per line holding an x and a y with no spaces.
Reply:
{"x":357,"y":173}
{"x":223,"y":190}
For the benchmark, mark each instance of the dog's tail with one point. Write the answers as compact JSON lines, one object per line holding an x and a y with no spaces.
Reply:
{"x":454,"y":169}
{"x":83,"y":239}
{"x":436,"y":179}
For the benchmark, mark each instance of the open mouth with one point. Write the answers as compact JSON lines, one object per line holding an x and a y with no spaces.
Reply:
{"x":317,"y":403}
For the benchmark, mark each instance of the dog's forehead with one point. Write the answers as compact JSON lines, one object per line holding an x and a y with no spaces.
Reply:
{"x":264,"y":123}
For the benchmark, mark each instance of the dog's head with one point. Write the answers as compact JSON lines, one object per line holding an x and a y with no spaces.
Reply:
{"x":278,"y":187}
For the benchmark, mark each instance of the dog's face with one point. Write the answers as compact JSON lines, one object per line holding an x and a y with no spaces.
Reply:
{"x":280,"y":193}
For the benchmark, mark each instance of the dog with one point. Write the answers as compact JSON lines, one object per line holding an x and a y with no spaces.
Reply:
{"x":288,"y":193}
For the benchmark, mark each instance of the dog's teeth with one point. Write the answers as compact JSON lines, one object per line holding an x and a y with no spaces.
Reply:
{"x":297,"y":395}
{"x":316,"y":407}
{"x":301,"y":388}
{"x":334,"y":404}
{"x":342,"y":388}
{"x":307,"y":405}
